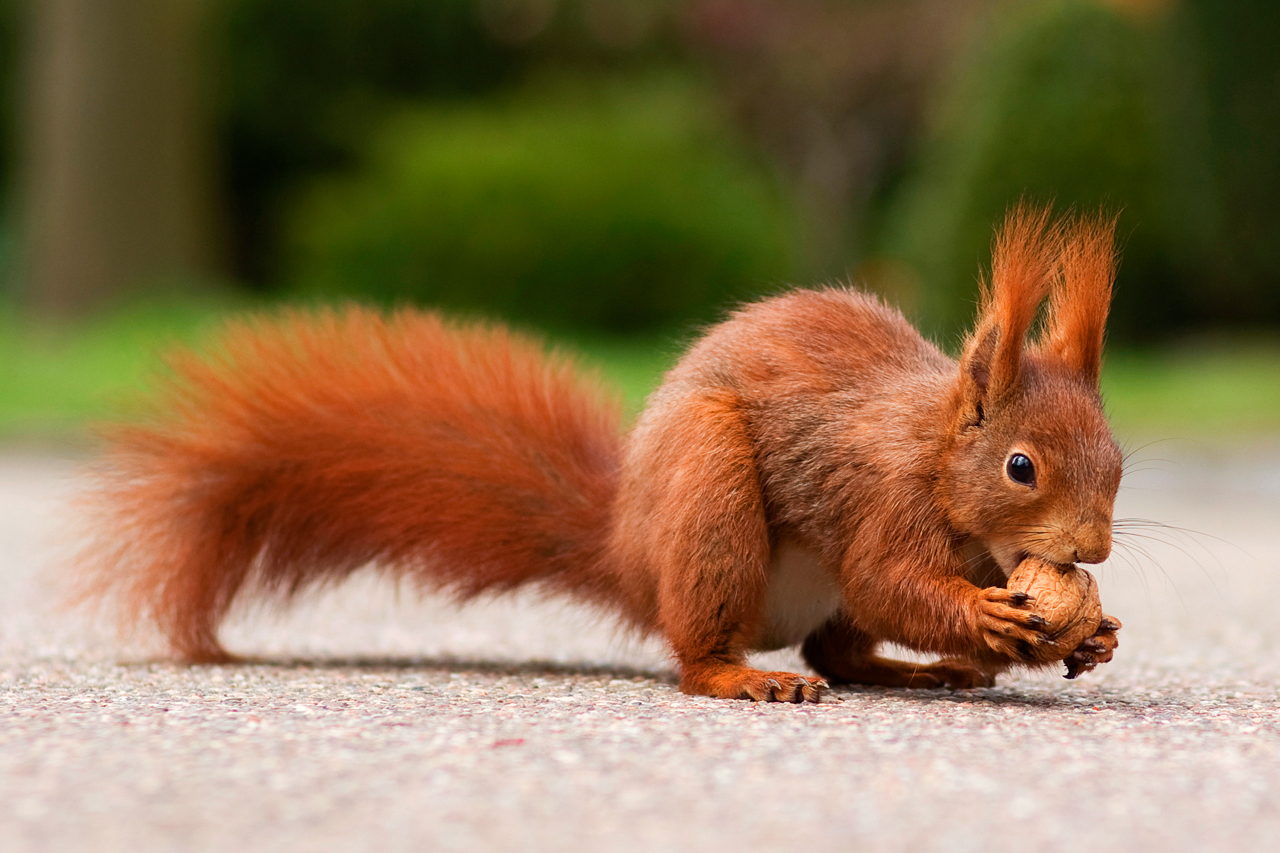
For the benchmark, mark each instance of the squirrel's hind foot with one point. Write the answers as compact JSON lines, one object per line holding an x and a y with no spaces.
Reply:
{"x":735,"y":681}
{"x":875,"y":671}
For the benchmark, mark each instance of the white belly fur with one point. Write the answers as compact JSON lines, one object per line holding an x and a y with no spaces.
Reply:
{"x":801,"y":596}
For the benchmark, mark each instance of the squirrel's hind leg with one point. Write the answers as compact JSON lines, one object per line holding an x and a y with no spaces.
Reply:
{"x":842,"y":654}
{"x":696,"y":506}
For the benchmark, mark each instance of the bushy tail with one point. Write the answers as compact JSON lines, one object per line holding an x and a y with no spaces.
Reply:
{"x":303,"y":448}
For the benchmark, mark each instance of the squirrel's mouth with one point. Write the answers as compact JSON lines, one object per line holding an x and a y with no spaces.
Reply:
{"x":1006,"y":553}
{"x":1019,"y":556}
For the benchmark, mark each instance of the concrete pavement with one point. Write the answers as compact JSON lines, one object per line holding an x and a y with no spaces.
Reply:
{"x":372,"y":720}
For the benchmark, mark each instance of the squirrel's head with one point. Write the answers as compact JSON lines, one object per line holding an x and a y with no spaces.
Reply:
{"x":1031,"y":467}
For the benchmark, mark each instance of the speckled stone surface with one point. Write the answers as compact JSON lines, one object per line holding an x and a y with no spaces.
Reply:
{"x":369,"y":719}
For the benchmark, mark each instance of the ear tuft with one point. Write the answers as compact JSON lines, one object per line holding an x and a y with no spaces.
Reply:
{"x":1024,"y":259}
{"x":1081,"y":296}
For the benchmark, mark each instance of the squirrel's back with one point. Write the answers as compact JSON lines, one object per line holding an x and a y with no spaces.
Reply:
{"x":810,"y":339}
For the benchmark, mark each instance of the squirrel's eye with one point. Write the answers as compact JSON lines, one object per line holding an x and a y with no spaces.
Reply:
{"x":1021,"y":470}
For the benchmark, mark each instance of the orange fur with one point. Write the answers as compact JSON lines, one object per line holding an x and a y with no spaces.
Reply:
{"x":812,"y":470}
{"x":460,"y":457}
{"x":1080,"y":300}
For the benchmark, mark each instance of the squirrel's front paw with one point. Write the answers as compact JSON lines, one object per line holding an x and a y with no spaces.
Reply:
{"x":1008,"y":626}
{"x":1099,"y":648}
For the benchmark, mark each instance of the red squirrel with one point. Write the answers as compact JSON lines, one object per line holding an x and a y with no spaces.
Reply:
{"x":811,"y":472}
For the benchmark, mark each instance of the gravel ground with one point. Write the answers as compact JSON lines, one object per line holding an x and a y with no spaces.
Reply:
{"x":373,"y":720}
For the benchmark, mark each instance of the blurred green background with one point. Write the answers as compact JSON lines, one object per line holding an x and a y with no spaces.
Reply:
{"x":615,"y":173}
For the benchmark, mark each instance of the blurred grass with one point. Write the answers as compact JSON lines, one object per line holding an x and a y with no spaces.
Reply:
{"x":634,"y":366}
{"x":1219,"y":389}
{"x":55,"y":382}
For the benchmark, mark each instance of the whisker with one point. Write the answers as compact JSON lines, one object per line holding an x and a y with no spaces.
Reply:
{"x":1138,"y":571}
{"x":1128,"y":452}
{"x":1184,"y":531}
{"x":1164,"y":573}
{"x":1182,"y":540}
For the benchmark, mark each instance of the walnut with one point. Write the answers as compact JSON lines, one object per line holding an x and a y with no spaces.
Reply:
{"x":1066,"y":597}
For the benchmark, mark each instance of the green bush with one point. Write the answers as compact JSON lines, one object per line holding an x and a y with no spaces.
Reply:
{"x":1232,"y":46}
{"x":1074,"y":103}
{"x":570,"y":206}
{"x":301,"y":82}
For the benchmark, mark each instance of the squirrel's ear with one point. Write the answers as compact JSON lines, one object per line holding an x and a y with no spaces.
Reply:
{"x":1022,"y":263}
{"x":975,"y":374}
{"x":1081,"y":297}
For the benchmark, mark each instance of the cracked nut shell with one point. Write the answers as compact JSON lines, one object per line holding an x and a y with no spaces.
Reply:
{"x":1066,"y":597}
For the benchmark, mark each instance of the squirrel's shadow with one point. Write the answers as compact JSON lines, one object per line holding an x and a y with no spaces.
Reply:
{"x":1013,"y":695}
{"x":451,"y":665}
{"x":1004,"y":696}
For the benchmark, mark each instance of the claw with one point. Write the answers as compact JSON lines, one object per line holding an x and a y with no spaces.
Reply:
{"x":1035,"y":620}
{"x":810,"y":690}
{"x":1079,"y":661}
{"x":1019,"y":598}
{"x":1108,"y":624}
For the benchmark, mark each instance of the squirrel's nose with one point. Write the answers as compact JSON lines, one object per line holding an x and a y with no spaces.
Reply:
{"x":1093,"y":550}
{"x":1091,"y":537}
